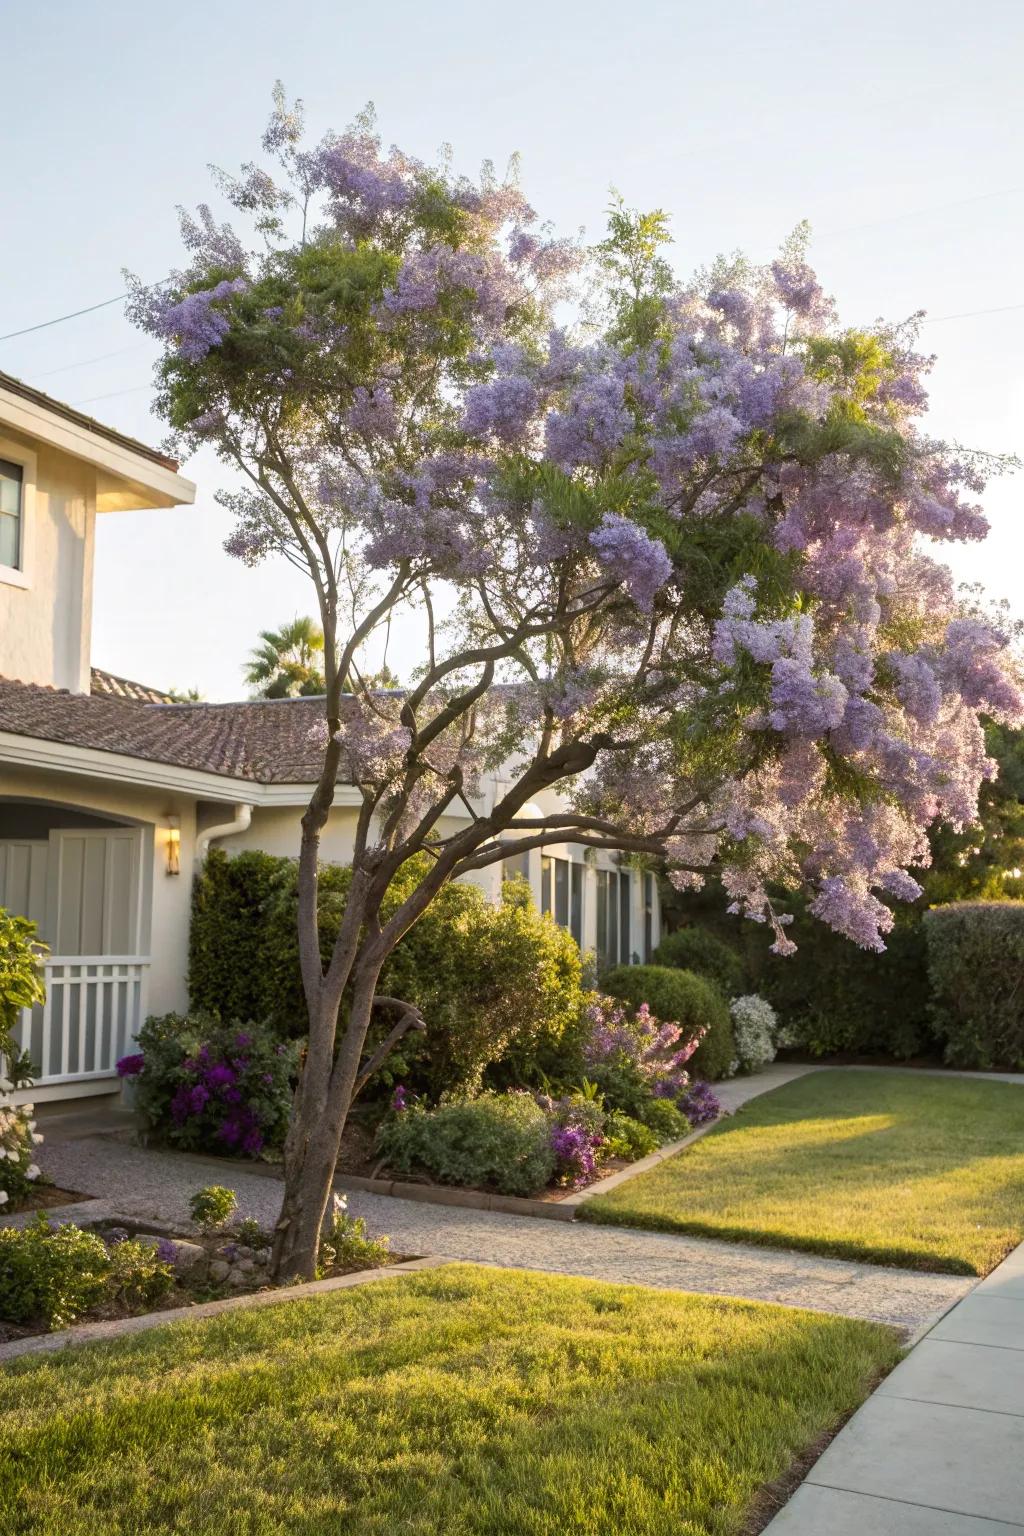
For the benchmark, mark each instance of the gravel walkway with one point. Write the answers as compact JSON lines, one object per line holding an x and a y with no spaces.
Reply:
{"x":157,"y":1184}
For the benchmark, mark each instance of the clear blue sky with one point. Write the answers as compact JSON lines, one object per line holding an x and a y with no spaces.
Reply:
{"x":894,"y":127}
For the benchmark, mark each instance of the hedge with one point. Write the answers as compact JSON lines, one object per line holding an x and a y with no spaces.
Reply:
{"x":976,"y":966}
{"x":686,"y":999}
{"x":495,"y":983}
{"x":695,"y":949}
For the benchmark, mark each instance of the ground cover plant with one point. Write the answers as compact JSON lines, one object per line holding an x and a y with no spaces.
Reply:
{"x":457,"y":1400}
{"x":891,"y":1168}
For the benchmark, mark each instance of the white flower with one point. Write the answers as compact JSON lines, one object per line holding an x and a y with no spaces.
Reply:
{"x":37,"y":1138}
{"x":754,"y":1028}
{"x":3,"y":1154}
{"x":27,"y":1109}
{"x":3,"y":1197}
{"x":32,"y":1171}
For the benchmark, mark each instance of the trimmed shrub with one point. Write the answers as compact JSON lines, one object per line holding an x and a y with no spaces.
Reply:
{"x":499,"y":986}
{"x":976,"y":965}
{"x":698,"y":950}
{"x":496,"y":1141}
{"x":691,"y":1001}
{"x":205,"y":1086}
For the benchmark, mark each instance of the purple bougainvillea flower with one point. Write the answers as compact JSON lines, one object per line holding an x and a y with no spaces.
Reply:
{"x":131,"y":1066}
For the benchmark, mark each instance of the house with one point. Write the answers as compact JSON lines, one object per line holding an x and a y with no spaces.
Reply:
{"x":111,"y":793}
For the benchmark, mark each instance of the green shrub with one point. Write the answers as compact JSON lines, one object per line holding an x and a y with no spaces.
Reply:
{"x":49,"y":1275}
{"x":213,"y":1087}
{"x":21,"y":975}
{"x":628,"y":1138}
{"x":498,"y":1141}
{"x":698,"y":950}
{"x":138,"y":1278}
{"x":685,"y":999}
{"x":665,"y":1120}
{"x":344,"y":1243}
{"x":976,"y":961}
{"x":499,"y":986}
{"x":210,"y":1207}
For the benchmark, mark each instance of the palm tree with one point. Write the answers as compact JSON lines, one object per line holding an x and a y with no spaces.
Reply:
{"x":287,"y":661}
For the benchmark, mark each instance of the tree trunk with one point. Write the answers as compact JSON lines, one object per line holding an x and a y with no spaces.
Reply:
{"x":322,"y":1103}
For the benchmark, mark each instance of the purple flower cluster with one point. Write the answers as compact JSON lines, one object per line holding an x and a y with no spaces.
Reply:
{"x":700,"y":1104}
{"x":575,"y":1148}
{"x":131,"y":1066}
{"x":617,"y":1033}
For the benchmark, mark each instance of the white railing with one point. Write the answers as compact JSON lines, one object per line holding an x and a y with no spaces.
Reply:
{"x":93,"y":1010}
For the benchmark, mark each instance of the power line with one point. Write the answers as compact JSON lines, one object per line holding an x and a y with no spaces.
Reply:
{"x":133,"y":389}
{"x":85,"y":361}
{"x":969,"y":314}
{"x":59,"y":320}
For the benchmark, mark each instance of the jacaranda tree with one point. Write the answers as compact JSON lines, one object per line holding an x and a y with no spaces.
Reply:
{"x":673,"y":560}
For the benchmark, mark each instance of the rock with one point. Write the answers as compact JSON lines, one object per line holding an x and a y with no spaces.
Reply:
{"x":238,"y":1277}
{"x":243,"y":1251}
{"x":262,"y":1256}
{"x":246,"y":1266}
{"x":190,"y":1260}
{"x":220,"y":1269}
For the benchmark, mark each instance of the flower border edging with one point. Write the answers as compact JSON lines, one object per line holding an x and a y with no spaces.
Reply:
{"x":94,"y":1333}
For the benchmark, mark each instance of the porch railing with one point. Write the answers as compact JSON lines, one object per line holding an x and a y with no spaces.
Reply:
{"x":94,"y":1007}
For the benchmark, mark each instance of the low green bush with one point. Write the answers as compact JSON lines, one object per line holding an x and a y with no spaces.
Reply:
{"x":698,"y":950}
{"x":691,"y":1001}
{"x":666,"y":1120}
{"x":138,"y":1278}
{"x":211,"y":1206}
{"x":628,"y":1138}
{"x":344,"y":1243}
{"x":976,"y":962}
{"x":49,"y":1275}
{"x":497,"y":1141}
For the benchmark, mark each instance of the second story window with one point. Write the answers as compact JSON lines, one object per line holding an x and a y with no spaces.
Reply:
{"x":11,"y":488}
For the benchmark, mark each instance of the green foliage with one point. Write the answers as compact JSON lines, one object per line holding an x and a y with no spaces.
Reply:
{"x":344,"y":1243}
{"x":212,"y":1086}
{"x":21,"y":978}
{"x":211,"y":1206}
{"x":665,"y":1120}
{"x":495,"y":1141}
{"x":628,"y":1138}
{"x":682,"y":998}
{"x":497,"y":985}
{"x":137,"y":1278}
{"x":698,"y":950}
{"x":49,"y":1275}
{"x":288,"y":661}
{"x":975,"y":962}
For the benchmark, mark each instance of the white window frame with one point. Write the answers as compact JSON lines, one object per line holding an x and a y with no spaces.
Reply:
{"x":20,"y":575}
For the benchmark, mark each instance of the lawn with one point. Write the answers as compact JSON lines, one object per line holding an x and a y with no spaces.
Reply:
{"x":923,"y":1172}
{"x":458,"y":1400}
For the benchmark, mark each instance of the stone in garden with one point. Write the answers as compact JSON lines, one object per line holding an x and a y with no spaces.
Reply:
{"x":189,"y":1259}
{"x":262,"y":1256}
{"x":243,"y":1251}
{"x":238,"y":1277}
{"x":246,"y":1266}
{"x":220,"y":1269}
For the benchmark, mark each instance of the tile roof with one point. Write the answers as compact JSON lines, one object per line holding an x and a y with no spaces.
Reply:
{"x":266,"y":741}
{"x":124,"y":688}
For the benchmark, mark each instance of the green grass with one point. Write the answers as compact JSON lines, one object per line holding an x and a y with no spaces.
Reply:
{"x":458,"y":1400}
{"x":923,"y":1172}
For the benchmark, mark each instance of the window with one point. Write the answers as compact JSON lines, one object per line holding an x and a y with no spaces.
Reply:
{"x":648,"y":915}
{"x":12,"y":480}
{"x":613,"y":918}
{"x":515,"y":866}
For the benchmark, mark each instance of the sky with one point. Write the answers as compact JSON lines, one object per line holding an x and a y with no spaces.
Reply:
{"x":894,"y":128}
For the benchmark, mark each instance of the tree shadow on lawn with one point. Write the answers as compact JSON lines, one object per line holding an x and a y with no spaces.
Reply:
{"x":520,"y":1404}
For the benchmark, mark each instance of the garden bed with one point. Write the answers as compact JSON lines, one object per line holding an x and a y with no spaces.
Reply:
{"x":43,"y":1197}
{"x":109,"y":1267}
{"x":455,"y":1398}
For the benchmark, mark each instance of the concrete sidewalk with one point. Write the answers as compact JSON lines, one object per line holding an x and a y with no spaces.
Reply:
{"x":938,"y":1450}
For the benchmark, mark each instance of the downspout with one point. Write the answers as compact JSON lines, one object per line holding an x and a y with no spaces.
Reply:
{"x":241,"y":822}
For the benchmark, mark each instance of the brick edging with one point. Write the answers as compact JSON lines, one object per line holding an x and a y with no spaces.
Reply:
{"x":92,"y":1333}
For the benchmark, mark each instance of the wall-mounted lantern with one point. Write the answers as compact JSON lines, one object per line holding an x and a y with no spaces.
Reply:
{"x":173,"y":824}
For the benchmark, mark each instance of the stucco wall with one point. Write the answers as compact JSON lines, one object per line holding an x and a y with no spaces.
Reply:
{"x":45,"y":626}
